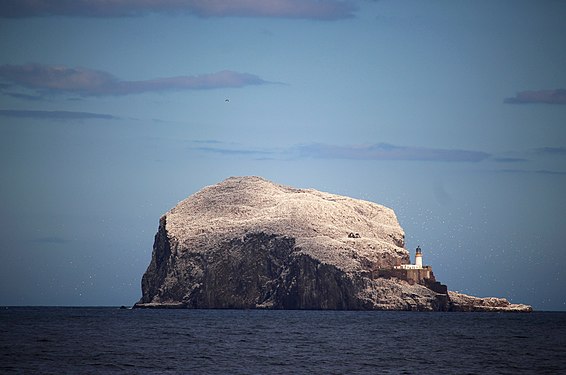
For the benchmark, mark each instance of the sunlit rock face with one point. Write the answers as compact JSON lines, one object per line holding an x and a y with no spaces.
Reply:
{"x":250,"y":243}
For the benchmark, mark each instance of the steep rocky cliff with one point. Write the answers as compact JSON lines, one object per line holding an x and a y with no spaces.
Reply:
{"x":249,"y":243}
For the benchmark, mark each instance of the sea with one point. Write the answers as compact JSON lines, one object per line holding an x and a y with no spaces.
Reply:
{"x":110,"y":340}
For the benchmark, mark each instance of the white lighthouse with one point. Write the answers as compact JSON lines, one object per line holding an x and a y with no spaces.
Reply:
{"x":419,"y":258}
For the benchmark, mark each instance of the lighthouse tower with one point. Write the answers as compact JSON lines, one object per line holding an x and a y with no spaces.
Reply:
{"x":419,"y":258}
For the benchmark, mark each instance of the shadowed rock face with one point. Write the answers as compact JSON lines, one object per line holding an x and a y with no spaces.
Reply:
{"x":249,"y":243}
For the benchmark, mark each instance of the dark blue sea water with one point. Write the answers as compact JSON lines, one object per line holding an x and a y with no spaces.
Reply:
{"x":110,"y":340}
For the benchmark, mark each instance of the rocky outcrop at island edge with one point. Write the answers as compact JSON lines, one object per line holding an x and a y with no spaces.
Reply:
{"x":249,"y":243}
{"x":463,"y":302}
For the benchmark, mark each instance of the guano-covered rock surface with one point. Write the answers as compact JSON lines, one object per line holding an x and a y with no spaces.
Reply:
{"x":250,"y":243}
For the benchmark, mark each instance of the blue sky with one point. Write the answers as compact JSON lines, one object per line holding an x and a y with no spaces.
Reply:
{"x":451,"y":113}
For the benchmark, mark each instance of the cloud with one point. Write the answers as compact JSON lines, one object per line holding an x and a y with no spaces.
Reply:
{"x":557,"y":96}
{"x":302,"y":9}
{"x":233,"y":149}
{"x":206,"y":141}
{"x":384,"y":151}
{"x":509,"y":160}
{"x":380,"y":151}
{"x":551,"y":151}
{"x":537,"y":171}
{"x":58,"y":79}
{"x":18,"y":95}
{"x":54,"y":115}
{"x":548,"y":172}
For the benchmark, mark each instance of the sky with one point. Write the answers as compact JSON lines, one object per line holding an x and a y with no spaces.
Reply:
{"x":452,"y":113}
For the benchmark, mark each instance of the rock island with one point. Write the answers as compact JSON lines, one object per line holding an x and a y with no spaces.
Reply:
{"x":248,"y":243}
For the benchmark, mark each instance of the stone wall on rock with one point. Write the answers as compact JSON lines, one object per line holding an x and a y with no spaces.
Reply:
{"x":423,"y":276}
